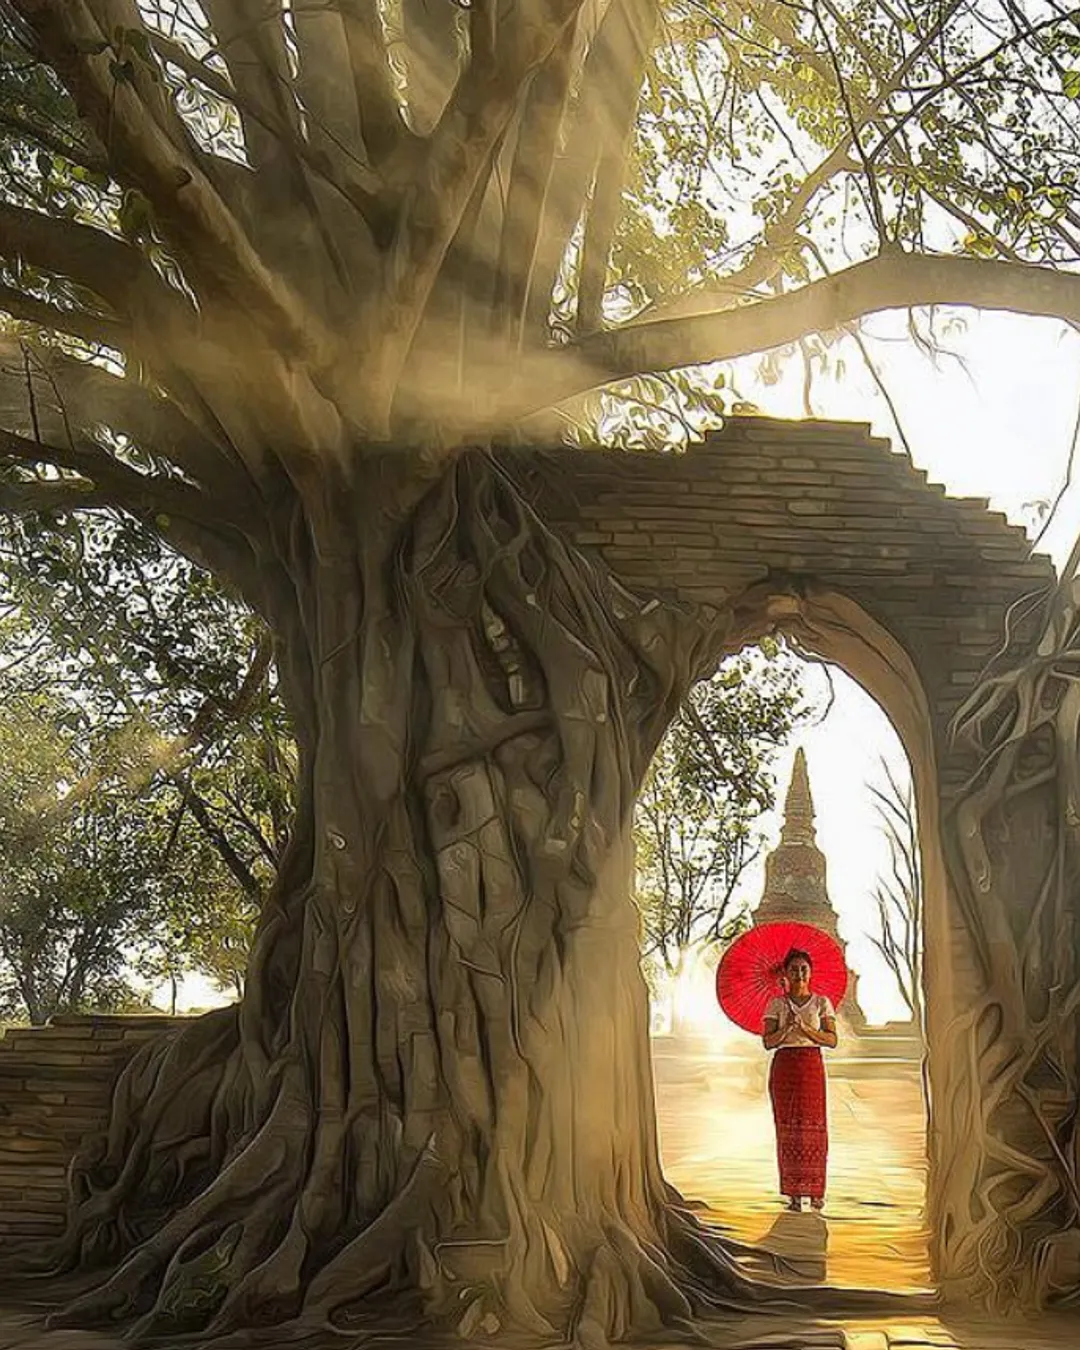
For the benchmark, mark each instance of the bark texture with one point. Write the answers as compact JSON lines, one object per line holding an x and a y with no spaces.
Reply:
{"x":1005,"y":1133}
{"x":438,"y":1079}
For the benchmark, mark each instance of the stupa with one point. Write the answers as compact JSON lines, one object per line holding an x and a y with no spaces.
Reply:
{"x":795,"y":885}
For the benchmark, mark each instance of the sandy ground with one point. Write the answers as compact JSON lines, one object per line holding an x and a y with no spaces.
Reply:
{"x":717,"y":1144}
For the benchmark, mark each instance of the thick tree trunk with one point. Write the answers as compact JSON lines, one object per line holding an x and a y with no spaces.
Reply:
{"x":438,"y":1079}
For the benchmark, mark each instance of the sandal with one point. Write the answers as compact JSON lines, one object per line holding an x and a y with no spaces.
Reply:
{"x":794,"y":1205}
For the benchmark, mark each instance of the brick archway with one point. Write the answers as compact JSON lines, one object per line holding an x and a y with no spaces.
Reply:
{"x":819,"y":530}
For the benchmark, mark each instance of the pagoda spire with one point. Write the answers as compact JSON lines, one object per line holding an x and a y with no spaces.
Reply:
{"x":798,"y":827}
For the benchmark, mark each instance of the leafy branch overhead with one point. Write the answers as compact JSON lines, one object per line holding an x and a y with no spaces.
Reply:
{"x":303,"y":230}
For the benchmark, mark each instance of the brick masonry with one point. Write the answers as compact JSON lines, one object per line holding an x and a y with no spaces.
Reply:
{"x":56,"y":1086}
{"x":808,"y":501}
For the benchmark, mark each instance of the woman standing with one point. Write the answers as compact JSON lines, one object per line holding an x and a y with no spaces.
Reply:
{"x":796,"y":1027}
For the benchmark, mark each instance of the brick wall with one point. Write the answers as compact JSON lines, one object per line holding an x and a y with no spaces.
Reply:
{"x":55,"y":1089}
{"x":820,"y":501}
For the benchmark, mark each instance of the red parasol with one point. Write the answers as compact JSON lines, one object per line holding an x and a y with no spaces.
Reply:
{"x":750,"y":973}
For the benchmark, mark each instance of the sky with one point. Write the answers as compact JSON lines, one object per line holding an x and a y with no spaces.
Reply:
{"x":992,"y":418}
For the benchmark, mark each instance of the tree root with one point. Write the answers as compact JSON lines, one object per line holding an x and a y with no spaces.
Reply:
{"x":165,"y":1138}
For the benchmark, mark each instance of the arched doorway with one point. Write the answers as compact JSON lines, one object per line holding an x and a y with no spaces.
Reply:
{"x":832,"y":853}
{"x":877,"y":1226}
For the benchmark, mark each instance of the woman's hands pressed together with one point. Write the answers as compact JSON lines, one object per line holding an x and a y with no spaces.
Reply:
{"x":794,"y":1025}
{"x":826,"y":1036}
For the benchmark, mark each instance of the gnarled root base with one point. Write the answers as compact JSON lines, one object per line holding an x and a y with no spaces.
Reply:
{"x":237,"y":1255}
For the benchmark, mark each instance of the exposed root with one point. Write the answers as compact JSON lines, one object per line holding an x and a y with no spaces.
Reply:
{"x":166,"y":1137}
{"x":1008,"y":1077}
{"x":370,"y":1259}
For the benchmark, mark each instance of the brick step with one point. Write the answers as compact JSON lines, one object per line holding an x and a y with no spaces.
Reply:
{"x":41,"y":1046}
{"x":55,"y":1151}
{"x":44,"y":1204}
{"x":32,"y":1173}
{"x":30,"y":1226}
{"x":33,"y":1200}
{"x":64,"y":1118}
{"x":40,"y":1144}
{"x":44,"y":1058}
{"x":55,"y":1094}
{"x":125,"y":1022}
{"x":55,"y":1078}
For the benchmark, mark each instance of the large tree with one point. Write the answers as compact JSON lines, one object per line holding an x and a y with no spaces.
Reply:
{"x":281,"y":274}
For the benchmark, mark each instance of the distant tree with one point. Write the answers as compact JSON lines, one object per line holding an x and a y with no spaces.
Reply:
{"x":153,"y":700}
{"x":697,"y":826}
{"x":899,"y":895}
{"x":73,"y":892}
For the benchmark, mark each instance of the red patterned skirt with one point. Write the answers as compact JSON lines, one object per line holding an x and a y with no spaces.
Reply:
{"x":797,"y":1090}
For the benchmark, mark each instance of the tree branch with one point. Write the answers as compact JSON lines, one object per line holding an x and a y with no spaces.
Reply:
{"x":894,"y":281}
{"x":530,"y":177}
{"x":633,"y":23}
{"x":180,"y":514}
{"x":89,"y":156}
{"x":195,"y":805}
{"x":80,"y":323}
{"x":116,"y":483}
{"x":571,"y":175}
{"x":218,"y":257}
{"x":382,"y":127}
{"x":91,"y":258}
{"x":30,"y":498}
{"x":458,"y":151}
{"x":68,"y":397}
{"x":349,"y":177}
{"x":325,"y":81}
{"x":250,"y":38}
{"x":277,"y":201}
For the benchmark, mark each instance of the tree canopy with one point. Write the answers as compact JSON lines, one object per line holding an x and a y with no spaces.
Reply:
{"x":443,"y":218}
{"x":147,"y":770}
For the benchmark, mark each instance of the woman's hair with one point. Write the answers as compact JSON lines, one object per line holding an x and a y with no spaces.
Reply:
{"x":797,"y":954}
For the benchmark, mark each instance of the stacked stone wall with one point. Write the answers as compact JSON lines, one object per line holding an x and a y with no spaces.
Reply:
{"x":56,"y":1085}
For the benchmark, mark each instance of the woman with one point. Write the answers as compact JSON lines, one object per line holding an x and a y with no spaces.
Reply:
{"x":796,"y":1026}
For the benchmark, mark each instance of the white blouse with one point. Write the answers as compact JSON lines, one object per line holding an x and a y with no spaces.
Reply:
{"x":812,"y":1013}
